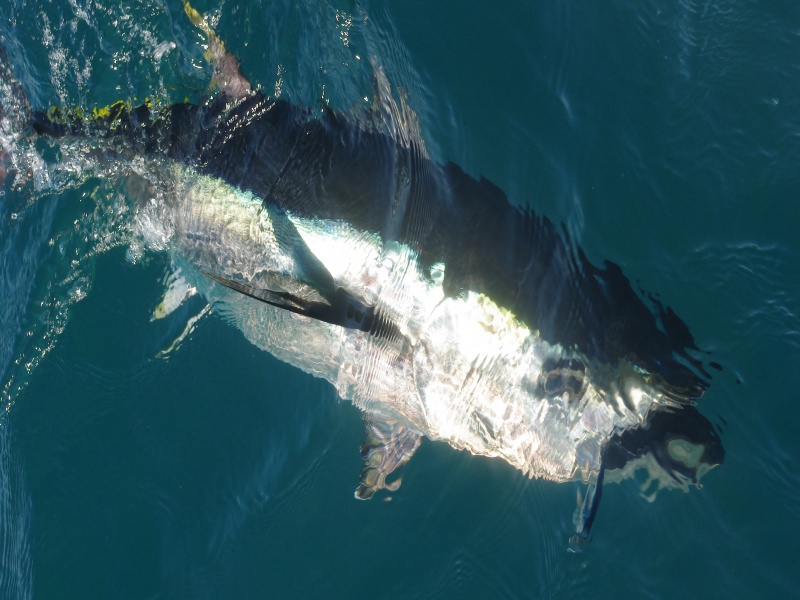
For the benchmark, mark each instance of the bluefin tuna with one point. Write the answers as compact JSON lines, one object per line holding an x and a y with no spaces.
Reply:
{"x":421,"y":294}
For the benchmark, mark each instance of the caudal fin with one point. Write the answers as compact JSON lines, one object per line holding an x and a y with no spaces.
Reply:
{"x":14,"y":112}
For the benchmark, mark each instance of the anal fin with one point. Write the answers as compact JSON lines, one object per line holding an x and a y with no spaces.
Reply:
{"x":388,"y":445}
{"x":177,"y":292}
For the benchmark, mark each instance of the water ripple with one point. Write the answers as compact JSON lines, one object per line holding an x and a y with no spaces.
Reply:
{"x":16,"y":514}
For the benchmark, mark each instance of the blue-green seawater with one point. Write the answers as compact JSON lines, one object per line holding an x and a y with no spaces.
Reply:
{"x":665,"y":136}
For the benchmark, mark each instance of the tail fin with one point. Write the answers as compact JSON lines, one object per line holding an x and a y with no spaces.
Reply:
{"x":14,"y":115}
{"x":14,"y":107}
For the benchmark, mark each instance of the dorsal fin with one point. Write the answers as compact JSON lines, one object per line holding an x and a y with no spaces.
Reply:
{"x":227,"y":75}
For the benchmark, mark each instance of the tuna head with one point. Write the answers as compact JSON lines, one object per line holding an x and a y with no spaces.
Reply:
{"x":491,"y":386}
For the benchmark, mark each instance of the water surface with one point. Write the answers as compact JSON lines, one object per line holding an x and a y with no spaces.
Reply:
{"x":664,"y":136}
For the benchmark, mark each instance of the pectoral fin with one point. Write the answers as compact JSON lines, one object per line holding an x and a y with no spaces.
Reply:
{"x":587,"y":511}
{"x":340,"y":309}
{"x":388,"y":445}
